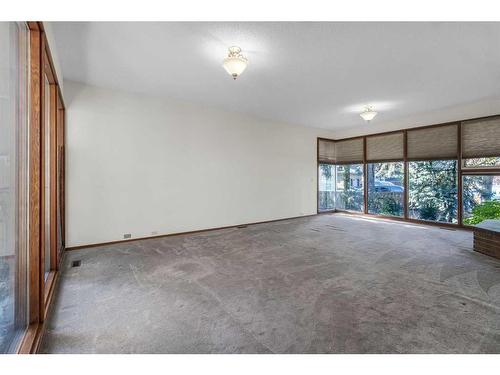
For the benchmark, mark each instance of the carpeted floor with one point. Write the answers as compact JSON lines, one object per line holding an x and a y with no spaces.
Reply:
{"x":322,"y":284}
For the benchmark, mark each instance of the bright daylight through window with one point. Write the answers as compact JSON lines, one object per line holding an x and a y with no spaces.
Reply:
{"x":13,"y":183}
{"x":431,"y":155}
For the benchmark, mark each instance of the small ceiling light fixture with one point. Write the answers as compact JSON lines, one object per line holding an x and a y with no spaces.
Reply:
{"x":368,"y":114}
{"x":235,"y":63}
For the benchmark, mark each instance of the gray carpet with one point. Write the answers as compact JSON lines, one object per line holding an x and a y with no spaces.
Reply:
{"x":323,"y":284}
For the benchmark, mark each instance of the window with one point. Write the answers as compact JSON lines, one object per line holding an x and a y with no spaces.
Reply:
{"x":436,"y":156}
{"x":432,"y":190}
{"x":326,"y":187}
{"x":386,"y":188}
{"x":481,"y":142}
{"x":349,"y":188}
{"x":482,"y":162}
{"x":13,"y":183}
{"x":481,"y":149}
{"x":481,"y":198}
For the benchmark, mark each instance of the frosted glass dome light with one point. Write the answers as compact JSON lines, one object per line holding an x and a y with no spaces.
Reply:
{"x":235,"y":63}
{"x":368,"y":114}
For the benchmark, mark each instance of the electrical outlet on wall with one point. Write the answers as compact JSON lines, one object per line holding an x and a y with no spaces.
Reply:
{"x":127,"y":235}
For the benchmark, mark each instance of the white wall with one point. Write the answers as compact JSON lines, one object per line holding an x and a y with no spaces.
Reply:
{"x":145,"y":165}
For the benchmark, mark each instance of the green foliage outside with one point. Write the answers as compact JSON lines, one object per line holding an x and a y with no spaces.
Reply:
{"x":326,"y":170}
{"x":349,"y":197}
{"x":484,"y":211}
{"x":326,"y":196}
{"x":432,"y":193}
{"x":432,"y":190}
{"x":385,"y":202}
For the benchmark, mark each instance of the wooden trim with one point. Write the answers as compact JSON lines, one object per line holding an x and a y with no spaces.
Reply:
{"x":385,"y":161}
{"x":460,"y":207}
{"x":47,"y":66}
{"x":60,"y":160}
{"x":49,"y":283}
{"x":35,"y":177}
{"x":53,"y":178}
{"x":431,"y":159}
{"x":40,"y":295}
{"x":32,"y":339}
{"x":51,"y":163}
{"x":406,"y":181}
{"x":71,"y":248}
{"x":43,"y":182}
{"x":33,"y":25}
{"x":318,"y":162}
{"x":349,"y":162}
{"x":365,"y":177}
{"x":485,"y":171}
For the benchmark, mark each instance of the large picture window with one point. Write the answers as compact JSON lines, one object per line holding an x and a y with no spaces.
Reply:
{"x":13,"y":183}
{"x":386,"y":188}
{"x":447,"y":173}
{"x":326,"y":187}
{"x":432,"y":190}
{"x":481,"y":198}
{"x":349,"y":188}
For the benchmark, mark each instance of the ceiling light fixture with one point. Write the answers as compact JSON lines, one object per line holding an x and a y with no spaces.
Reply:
{"x":368,"y":114}
{"x":235,"y":63}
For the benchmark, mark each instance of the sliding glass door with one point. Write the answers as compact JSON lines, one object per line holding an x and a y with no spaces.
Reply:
{"x":14,"y":145}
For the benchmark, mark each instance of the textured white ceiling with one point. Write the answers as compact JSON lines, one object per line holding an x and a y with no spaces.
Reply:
{"x":314,"y":74}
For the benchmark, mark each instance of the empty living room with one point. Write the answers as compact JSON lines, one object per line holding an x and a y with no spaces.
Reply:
{"x":182,"y":179}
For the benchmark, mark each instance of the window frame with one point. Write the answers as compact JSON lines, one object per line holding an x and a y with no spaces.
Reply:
{"x":482,"y":172}
{"x":457,"y":185}
{"x":41,"y":292}
{"x":364,"y":187}
{"x":405,"y":203}
{"x":320,"y":211}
